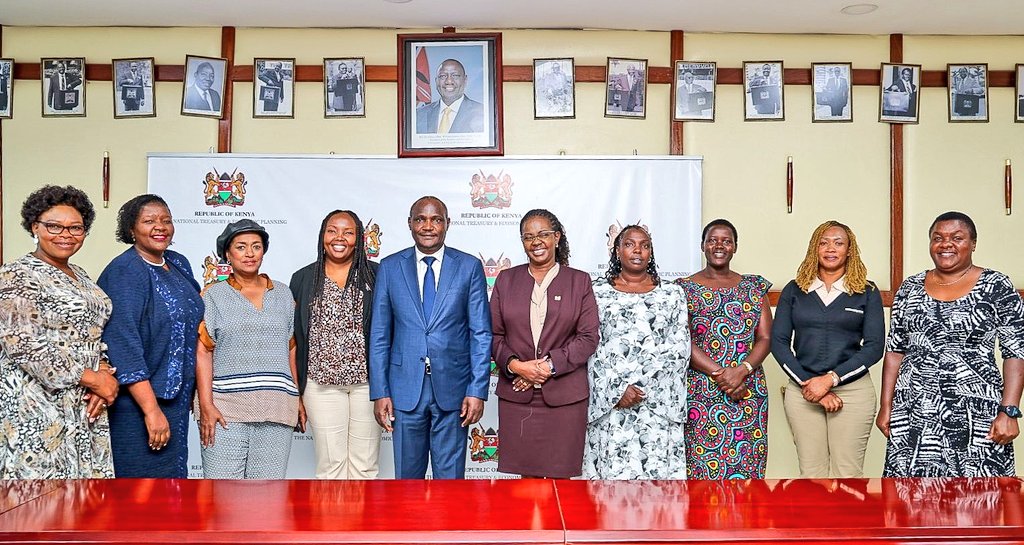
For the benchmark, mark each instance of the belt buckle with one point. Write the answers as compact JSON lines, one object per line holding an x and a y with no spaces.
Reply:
{"x":427,"y":366}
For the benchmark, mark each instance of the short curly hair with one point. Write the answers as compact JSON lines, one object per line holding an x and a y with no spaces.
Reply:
{"x":48,"y":196}
{"x":129,"y":214}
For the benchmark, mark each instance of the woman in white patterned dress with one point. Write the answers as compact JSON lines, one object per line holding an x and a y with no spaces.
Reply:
{"x":638,"y":374}
{"x":55,"y":383}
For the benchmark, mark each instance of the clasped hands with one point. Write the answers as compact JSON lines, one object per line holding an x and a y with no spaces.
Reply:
{"x":819,"y":390}
{"x":528,"y":373}
{"x":732,"y":381}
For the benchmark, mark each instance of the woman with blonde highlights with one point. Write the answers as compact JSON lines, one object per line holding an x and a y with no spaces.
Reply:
{"x":828,"y":330}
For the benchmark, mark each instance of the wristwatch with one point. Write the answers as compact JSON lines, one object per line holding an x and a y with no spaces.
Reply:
{"x":1012,"y":411}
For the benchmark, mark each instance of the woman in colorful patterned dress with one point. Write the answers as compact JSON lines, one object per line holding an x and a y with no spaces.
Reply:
{"x":730,"y":324}
{"x":151,"y":339}
{"x":945,"y":408}
{"x":638,"y":374}
{"x":55,"y":382}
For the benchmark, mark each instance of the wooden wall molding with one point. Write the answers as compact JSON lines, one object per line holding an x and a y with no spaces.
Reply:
{"x":227,"y":51}
{"x":675,"y":128}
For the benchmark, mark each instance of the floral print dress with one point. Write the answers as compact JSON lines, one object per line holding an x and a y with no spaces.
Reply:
{"x":726,"y":439}
{"x":51,"y":326}
{"x":645,"y":341}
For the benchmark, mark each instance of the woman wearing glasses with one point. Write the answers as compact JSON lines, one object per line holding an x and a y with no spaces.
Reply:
{"x":545,"y":325}
{"x":56,"y":383}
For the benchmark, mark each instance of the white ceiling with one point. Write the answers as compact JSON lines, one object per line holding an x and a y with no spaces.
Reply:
{"x":993,"y":17}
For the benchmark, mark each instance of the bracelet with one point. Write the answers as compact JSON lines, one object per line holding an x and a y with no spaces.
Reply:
{"x":835,"y":378}
{"x":750,"y":368}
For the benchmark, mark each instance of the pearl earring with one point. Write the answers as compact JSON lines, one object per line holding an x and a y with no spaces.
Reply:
{"x":35,"y":238}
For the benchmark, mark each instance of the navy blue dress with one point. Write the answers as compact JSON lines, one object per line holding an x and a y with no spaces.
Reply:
{"x":152,"y":336}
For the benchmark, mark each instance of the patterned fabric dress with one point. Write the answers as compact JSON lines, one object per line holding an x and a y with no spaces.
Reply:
{"x":51,"y":326}
{"x":645,"y":342}
{"x":949,"y":386}
{"x":726,"y":439}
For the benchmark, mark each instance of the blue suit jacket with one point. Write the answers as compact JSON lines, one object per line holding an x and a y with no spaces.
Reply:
{"x":456,"y":338}
{"x":469,"y":119}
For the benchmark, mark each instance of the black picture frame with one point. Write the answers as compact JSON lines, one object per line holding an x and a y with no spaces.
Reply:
{"x":471,"y":68}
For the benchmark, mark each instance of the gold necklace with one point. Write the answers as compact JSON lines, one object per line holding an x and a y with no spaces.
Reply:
{"x":961,"y":277}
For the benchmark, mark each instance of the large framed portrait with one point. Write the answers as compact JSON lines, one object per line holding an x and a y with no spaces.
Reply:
{"x":133,"y":88}
{"x":694,"y":91}
{"x":832,"y":99}
{"x":203,"y":91}
{"x":63,"y":83}
{"x":344,"y":87}
{"x":626,"y":88}
{"x":554,"y":89}
{"x":6,"y":88}
{"x":1019,"y":93}
{"x":901,"y":87}
{"x":764,"y":98}
{"x":273,"y":88}
{"x":968,"y":92}
{"x":449,"y":95}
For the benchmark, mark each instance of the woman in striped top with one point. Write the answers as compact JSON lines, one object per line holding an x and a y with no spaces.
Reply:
{"x":245,"y":365}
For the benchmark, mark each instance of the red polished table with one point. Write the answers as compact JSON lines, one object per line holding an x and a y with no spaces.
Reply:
{"x":513,"y":512}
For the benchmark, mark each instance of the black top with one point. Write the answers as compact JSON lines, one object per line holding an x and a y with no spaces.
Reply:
{"x":847,"y":336}
{"x":302,"y":288}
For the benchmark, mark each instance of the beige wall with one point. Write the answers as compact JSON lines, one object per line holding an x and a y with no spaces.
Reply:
{"x":841,"y":170}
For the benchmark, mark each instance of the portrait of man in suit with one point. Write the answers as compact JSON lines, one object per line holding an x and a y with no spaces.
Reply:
{"x":430,"y":347}
{"x":133,"y":84}
{"x":453,"y":112}
{"x":831,"y":92}
{"x":202,"y":93}
{"x":63,"y":92}
{"x":900,"y":86}
{"x":764,"y":89}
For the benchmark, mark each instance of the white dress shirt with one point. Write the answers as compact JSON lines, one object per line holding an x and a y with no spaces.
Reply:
{"x":827,"y":295}
{"x":421,"y":267}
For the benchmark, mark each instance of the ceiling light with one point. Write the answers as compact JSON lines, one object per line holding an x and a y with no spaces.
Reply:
{"x":858,"y":9}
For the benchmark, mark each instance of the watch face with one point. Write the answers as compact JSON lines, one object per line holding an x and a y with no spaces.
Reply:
{"x":1012,"y":411}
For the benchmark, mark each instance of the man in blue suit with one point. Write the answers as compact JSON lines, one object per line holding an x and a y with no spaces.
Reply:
{"x":455,"y":112}
{"x":430,"y":346}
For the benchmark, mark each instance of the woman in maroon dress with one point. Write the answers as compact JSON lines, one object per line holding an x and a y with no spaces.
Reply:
{"x":545,"y":325}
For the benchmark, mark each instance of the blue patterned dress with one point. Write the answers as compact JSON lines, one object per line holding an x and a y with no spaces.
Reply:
{"x":152,"y":336}
{"x":726,"y":439}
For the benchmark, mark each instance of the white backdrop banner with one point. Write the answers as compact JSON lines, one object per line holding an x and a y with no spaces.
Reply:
{"x":289,"y":195}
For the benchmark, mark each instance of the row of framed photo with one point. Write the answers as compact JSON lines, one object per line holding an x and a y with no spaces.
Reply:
{"x":693,"y":93}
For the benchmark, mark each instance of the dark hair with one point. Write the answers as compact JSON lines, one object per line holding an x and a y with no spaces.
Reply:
{"x":720,"y":223}
{"x":615,"y":264}
{"x":48,"y":196}
{"x":360,"y":275}
{"x":129,"y":214}
{"x":562,"y":250}
{"x":956,"y":216}
{"x":428,"y":198}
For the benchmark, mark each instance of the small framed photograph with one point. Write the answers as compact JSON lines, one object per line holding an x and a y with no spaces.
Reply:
{"x":205,"y":78}
{"x":833,"y":92}
{"x":1019,"y":93}
{"x":63,"y":87}
{"x":6,"y":88}
{"x":763,"y":91}
{"x":901,"y":85}
{"x":626,"y":84}
{"x":273,"y":88}
{"x":449,"y":95}
{"x":694,"y":92}
{"x":344,"y":89}
{"x":554,"y":89}
{"x":133,"y":88}
{"x":968,"y":92}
